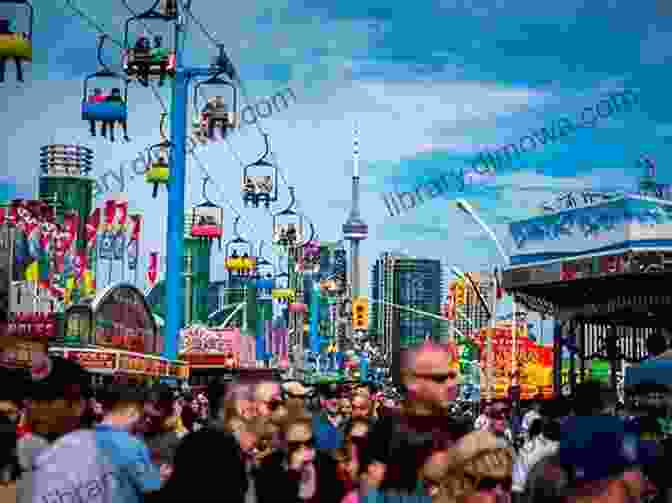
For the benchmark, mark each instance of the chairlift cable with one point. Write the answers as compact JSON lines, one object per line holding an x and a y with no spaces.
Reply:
{"x":187,"y":8}
{"x":91,"y":22}
{"x":135,"y":14}
{"x":242,"y":86}
{"x":159,"y":98}
{"x":206,"y":173}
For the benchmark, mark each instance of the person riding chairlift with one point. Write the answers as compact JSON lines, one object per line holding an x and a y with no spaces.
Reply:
{"x":250,"y":186}
{"x":6,"y":29}
{"x":215,"y":112}
{"x":114,"y":97}
{"x":161,"y":55}
{"x":149,"y":57}
{"x":143,"y":49}
{"x":96,"y":96}
{"x":291,"y":233}
{"x":169,"y":7}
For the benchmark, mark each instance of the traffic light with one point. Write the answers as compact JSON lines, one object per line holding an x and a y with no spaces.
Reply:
{"x":360,"y":314}
{"x":459,"y":293}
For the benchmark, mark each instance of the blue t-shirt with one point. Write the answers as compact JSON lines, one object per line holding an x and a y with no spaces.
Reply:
{"x":131,"y":461}
{"x":327,"y":436}
{"x":104,"y":465}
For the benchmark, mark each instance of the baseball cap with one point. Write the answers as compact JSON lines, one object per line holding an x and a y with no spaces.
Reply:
{"x":54,"y":378}
{"x":594,"y":448}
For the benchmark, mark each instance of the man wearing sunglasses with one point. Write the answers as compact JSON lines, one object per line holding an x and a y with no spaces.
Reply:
{"x":401,"y":443}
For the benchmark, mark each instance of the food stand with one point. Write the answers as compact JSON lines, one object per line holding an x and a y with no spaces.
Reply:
{"x":216,"y":353}
{"x":117,"y":335}
{"x":126,"y":365}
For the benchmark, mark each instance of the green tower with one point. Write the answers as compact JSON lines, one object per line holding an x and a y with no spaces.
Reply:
{"x":197,"y":276}
{"x":65,"y":183}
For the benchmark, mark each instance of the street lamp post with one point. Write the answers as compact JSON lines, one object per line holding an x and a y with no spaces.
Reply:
{"x":463,"y":205}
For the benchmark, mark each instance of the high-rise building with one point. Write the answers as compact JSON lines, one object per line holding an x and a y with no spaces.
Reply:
{"x":409,"y":282}
{"x":470,"y":315}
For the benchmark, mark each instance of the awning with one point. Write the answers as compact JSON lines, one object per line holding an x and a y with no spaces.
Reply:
{"x":656,"y":370}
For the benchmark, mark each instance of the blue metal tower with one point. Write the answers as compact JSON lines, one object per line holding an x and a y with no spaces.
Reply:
{"x":176,"y":187}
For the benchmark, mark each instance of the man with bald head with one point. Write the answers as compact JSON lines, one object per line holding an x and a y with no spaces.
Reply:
{"x":402,"y":443}
{"x":431,"y":376}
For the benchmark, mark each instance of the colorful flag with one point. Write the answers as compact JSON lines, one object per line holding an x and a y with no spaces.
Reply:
{"x":119,"y":246}
{"x":106,"y":250}
{"x":153,"y":268}
{"x":133,"y":248}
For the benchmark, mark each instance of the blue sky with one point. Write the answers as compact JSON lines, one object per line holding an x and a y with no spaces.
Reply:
{"x":431,"y":84}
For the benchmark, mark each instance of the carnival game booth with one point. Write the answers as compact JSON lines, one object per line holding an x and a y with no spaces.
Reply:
{"x":221,"y":353}
{"x":117,"y":336}
{"x":601,"y":269}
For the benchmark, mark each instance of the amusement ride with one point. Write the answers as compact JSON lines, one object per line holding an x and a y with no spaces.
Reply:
{"x":271,"y":309}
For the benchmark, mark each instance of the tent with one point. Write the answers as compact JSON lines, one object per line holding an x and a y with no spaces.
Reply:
{"x":656,"y":370}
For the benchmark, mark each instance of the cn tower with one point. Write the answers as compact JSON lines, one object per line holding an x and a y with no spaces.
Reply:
{"x":354,"y":229}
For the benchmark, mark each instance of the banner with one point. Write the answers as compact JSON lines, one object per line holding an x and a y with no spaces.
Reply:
{"x":133,"y":249}
{"x":601,"y":227}
{"x":106,"y":250}
{"x":120,"y":227}
{"x":535,"y":362}
{"x":153,"y":268}
{"x":217,"y":347}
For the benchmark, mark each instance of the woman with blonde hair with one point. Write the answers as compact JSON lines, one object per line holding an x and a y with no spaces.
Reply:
{"x":477,"y":469}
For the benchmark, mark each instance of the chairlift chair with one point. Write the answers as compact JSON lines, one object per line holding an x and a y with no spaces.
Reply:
{"x":240,"y":261}
{"x":216,"y":112}
{"x":309,"y":255}
{"x":281,"y":291}
{"x":143,"y":62}
{"x":158,"y":161}
{"x":207,"y":218}
{"x":17,"y":45}
{"x":260,"y":181}
{"x":106,"y":108}
{"x":288,"y":226}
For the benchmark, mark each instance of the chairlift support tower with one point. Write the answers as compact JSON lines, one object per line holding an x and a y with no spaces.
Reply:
{"x":176,"y":185}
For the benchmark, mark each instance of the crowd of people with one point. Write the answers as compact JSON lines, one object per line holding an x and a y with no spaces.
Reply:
{"x":264,"y":442}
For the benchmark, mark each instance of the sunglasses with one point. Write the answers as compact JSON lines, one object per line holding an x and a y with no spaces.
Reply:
{"x":308,"y":444}
{"x":438,"y":378}
{"x":274,"y":404}
{"x":490,"y":484}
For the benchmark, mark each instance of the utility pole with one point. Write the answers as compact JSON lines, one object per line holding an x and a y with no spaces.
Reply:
{"x":176,"y":187}
{"x":490,"y":357}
